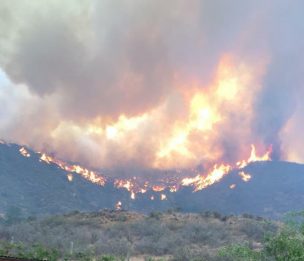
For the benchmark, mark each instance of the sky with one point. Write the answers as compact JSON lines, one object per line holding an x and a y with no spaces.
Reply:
{"x":154,"y":84}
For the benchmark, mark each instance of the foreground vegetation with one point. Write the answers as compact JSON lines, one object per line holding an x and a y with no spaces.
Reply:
{"x":287,"y":245}
{"x":112,"y":235}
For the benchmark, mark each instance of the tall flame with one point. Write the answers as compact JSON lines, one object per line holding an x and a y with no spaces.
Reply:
{"x":190,"y":126}
{"x":253,"y":157}
{"x":200,"y":181}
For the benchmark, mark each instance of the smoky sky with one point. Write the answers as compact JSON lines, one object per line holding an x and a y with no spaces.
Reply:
{"x":75,"y":61}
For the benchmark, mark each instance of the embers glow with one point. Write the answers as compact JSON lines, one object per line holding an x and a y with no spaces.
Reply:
{"x":163,"y":197}
{"x":70,"y":177}
{"x":120,"y":183}
{"x":232,"y":186}
{"x":245,"y":176}
{"x":24,"y":152}
{"x":118,"y":205}
{"x":158,"y":188}
{"x":128,"y":185}
{"x":173,"y":189}
{"x":45,"y":158}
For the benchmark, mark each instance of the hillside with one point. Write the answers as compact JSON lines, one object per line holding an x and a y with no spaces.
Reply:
{"x":170,"y":235}
{"x":37,"y":188}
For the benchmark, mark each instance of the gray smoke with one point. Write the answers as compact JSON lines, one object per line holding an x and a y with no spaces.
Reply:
{"x":78,"y":61}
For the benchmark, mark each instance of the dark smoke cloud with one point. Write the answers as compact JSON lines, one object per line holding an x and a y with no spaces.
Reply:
{"x":108,"y":57}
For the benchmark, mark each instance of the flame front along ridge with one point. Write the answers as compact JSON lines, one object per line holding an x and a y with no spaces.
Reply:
{"x":198,"y":182}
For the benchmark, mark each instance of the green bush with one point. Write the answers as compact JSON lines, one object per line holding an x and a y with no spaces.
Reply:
{"x":240,"y":253}
{"x":287,"y":245}
{"x":36,"y":251}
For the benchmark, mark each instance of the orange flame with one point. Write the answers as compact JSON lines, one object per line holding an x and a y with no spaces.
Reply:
{"x":253,"y":157}
{"x":200,"y":182}
{"x":128,"y":185}
{"x":158,"y":188}
{"x":91,"y":176}
{"x":120,"y":183}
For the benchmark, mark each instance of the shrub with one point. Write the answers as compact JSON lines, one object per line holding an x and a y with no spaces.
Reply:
{"x":286,"y":245}
{"x":239,"y":253}
{"x":155,"y":214}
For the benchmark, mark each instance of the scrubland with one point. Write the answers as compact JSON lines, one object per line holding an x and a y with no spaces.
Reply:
{"x":122,"y":235}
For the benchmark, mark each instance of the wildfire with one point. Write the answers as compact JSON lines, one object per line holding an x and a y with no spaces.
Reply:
{"x":46,"y":158}
{"x":118,"y":205}
{"x":173,"y":189}
{"x":134,"y":186}
{"x":24,"y":152}
{"x":200,"y":181}
{"x":70,"y":177}
{"x":158,"y":188}
{"x":128,"y":185}
{"x":245,"y":176}
{"x":163,"y":197}
{"x":120,"y":183}
{"x":232,"y":186}
{"x":89,"y":175}
{"x":253,"y":157}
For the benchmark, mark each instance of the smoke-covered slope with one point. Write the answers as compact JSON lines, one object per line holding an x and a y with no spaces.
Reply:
{"x":39,"y":188}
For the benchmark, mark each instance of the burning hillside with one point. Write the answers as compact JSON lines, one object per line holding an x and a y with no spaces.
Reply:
{"x":38,"y":187}
{"x":154,"y":84}
{"x":136,"y":185}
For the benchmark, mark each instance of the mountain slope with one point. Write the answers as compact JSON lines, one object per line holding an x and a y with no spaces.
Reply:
{"x":274,"y":188}
{"x":38,"y":188}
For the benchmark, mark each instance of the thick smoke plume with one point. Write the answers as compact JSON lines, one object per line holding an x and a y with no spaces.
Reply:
{"x":152,"y":83}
